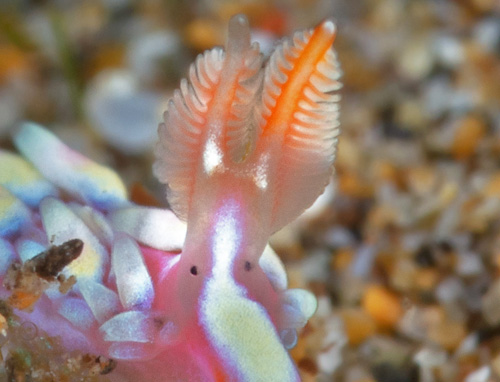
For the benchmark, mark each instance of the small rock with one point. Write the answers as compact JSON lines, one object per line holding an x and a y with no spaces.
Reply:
{"x":382,"y":305}
{"x":416,"y":61}
{"x":480,"y":375}
{"x":489,"y":304}
{"x":153,"y":54}
{"x":448,"y":334}
{"x":357,"y":324}
{"x":428,"y":359}
{"x":125,"y":116}
{"x":449,"y":290}
{"x":470,"y":131}
{"x":495,"y":365}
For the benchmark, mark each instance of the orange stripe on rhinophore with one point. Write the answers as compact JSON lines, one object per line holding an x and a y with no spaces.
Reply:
{"x":305,"y":65}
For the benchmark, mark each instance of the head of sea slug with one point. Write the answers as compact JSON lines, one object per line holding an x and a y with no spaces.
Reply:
{"x":195,"y":294}
{"x":245,"y":147}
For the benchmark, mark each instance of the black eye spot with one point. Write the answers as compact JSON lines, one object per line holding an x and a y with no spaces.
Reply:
{"x":248,"y":266}
{"x":194,"y":270}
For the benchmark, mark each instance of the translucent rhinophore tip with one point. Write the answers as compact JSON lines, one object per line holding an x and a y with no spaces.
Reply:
{"x":238,"y":38}
{"x":329,"y":26}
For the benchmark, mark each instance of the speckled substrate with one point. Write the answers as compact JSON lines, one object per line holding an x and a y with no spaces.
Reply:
{"x":405,"y":258}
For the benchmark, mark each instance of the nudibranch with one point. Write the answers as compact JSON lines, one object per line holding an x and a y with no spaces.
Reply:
{"x":193,"y":293}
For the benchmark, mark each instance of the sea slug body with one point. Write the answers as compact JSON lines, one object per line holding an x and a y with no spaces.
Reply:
{"x":193,"y":293}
